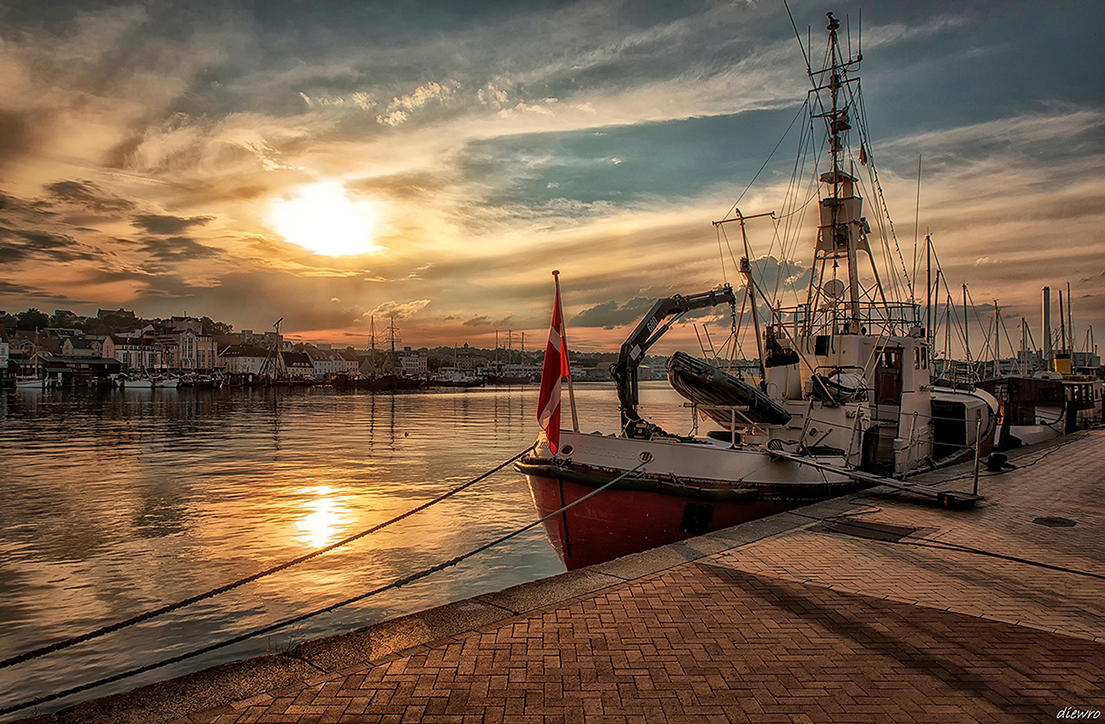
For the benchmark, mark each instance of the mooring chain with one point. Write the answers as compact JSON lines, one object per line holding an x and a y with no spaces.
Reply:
{"x":326,"y":609}
{"x":147,"y":615}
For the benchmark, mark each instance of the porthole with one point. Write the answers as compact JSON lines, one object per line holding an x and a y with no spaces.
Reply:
{"x":566,"y":450}
{"x":646,"y":457}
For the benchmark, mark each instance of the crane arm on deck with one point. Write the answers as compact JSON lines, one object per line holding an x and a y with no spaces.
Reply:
{"x":648,"y":331}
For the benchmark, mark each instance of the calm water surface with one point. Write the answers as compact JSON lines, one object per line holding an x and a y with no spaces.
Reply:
{"x":120,"y":502}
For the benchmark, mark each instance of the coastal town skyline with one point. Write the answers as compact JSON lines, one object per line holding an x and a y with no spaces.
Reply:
{"x":331,"y":164}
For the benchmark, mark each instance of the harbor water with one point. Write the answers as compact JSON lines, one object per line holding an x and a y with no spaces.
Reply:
{"x":120,"y":502}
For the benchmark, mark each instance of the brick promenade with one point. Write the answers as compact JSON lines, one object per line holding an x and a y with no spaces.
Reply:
{"x":787,"y":619}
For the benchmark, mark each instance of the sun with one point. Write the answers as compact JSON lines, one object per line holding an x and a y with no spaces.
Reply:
{"x":321,"y":217}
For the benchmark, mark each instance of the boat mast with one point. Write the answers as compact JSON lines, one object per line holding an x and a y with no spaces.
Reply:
{"x":997,"y":339}
{"x":1047,"y":328}
{"x":928,"y":284}
{"x":1024,"y":349}
{"x":966,"y":330}
{"x":1062,"y":325}
{"x":842,"y":230}
{"x":372,"y":346}
{"x":1070,"y":322}
{"x":750,"y":288}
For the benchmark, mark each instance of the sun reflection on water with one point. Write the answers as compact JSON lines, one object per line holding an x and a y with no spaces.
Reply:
{"x":328,"y":513}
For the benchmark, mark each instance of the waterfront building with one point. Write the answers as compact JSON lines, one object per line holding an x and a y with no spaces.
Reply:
{"x":82,"y":346}
{"x":133,"y":353}
{"x":181,"y":324}
{"x":350,"y":361}
{"x":5,"y":355}
{"x":195,"y":351}
{"x":297,"y":365}
{"x":324,"y":362}
{"x":413,"y":363}
{"x":240,"y":359}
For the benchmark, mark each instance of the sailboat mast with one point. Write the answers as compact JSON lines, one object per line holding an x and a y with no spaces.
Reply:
{"x":1047,"y":350}
{"x":1062,"y":325}
{"x":928,"y":283}
{"x":966,"y":328}
{"x":948,"y":329}
{"x":997,"y":339}
{"x":1024,"y":347}
{"x":1070,"y":320}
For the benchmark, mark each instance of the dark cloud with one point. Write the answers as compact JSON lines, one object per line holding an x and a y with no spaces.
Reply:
{"x":7,"y":288}
{"x":612,"y":314}
{"x":167,"y":225}
{"x":89,"y":197}
{"x":479,"y":321}
{"x":19,"y":245}
{"x":178,"y":249}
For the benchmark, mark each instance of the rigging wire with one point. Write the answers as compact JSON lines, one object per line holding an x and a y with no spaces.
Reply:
{"x":865,"y":133}
{"x":766,"y":161}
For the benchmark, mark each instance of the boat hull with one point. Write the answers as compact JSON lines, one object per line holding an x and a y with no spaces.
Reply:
{"x":615,"y":523}
{"x":703,"y":488}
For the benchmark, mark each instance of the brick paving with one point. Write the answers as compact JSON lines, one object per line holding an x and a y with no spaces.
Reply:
{"x":782,"y":620}
{"x":703,"y":643}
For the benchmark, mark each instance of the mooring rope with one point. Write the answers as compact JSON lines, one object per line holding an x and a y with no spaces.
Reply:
{"x":147,"y":615}
{"x":326,"y":609}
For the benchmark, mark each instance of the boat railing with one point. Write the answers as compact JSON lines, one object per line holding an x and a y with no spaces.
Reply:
{"x":891,"y":318}
{"x":734,"y":411}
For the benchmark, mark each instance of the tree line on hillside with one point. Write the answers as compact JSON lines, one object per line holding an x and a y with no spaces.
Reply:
{"x":33,"y":319}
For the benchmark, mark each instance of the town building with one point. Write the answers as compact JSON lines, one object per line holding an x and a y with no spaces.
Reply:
{"x":135,"y":354}
{"x":246,"y":360}
{"x":413,"y":363}
{"x":82,"y":347}
{"x":297,"y":366}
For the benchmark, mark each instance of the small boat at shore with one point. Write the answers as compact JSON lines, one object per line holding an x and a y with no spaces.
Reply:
{"x":455,"y":378}
{"x":144,"y":382}
{"x":844,"y":395}
{"x":30,"y":382}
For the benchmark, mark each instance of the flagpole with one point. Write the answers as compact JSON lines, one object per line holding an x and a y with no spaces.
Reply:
{"x":564,"y":347}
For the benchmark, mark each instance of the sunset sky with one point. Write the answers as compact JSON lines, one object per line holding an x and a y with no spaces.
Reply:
{"x":327,"y":162}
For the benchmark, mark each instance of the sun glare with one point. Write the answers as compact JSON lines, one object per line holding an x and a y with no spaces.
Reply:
{"x":321,"y":217}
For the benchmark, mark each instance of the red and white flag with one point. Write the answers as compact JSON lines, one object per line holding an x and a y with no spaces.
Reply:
{"x":554,"y":369}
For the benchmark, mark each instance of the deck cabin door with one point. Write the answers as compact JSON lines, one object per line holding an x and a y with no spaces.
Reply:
{"x":888,"y":377}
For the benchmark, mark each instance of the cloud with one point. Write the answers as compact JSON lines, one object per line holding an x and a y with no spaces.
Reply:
{"x":397,"y":310}
{"x":400,"y":108}
{"x":479,"y":322}
{"x":610,"y":314}
{"x":7,"y":289}
{"x":88,"y":196}
{"x":167,"y":225}
{"x":177,"y":249}
{"x":26,"y":245}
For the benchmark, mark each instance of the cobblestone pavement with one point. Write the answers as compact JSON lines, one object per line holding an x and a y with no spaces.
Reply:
{"x":978,"y":615}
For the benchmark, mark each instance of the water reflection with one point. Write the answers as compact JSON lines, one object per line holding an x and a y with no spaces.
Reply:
{"x":328,"y":517}
{"x":121,"y":502}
